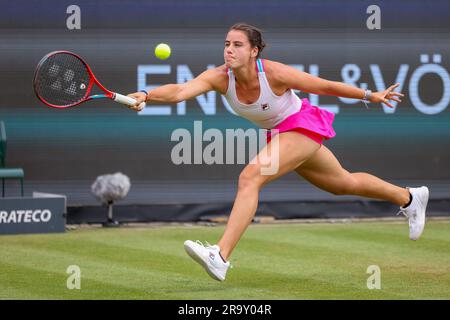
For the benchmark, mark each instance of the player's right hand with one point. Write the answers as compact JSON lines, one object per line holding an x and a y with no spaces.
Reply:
{"x":139,"y":97}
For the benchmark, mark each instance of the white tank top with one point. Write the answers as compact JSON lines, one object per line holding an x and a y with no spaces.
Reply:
{"x":269,"y":110}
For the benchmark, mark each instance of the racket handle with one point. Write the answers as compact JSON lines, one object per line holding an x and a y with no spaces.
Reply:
{"x":127,"y":100}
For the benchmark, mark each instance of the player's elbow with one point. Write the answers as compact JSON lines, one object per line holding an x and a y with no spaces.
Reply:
{"x":177,"y":94}
{"x":176,"y":98}
{"x":180,"y":94}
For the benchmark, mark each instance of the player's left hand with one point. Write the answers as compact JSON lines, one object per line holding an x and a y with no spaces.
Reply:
{"x":387,"y":95}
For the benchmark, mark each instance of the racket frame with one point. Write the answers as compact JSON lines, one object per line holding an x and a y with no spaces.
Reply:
{"x":107,"y":93}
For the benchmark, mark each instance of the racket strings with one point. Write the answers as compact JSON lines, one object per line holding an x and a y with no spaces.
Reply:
{"x":62,"y":79}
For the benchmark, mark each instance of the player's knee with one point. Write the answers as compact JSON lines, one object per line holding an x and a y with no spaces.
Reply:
{"x":349,"y":186}
{"x":250,"y":178}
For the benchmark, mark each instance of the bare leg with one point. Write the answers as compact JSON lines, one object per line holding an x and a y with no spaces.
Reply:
{"x":294,"y":149}
{"x":324,"y":171}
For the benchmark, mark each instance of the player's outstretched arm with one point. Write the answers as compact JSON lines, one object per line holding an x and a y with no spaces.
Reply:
{"x":306,"y":82}
{"x":174,"y":93}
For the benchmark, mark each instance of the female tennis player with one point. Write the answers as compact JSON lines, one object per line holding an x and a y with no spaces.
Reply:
{"x":262,"y":92}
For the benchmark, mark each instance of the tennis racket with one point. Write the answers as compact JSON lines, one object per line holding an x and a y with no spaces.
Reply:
{"x":63,"y":79}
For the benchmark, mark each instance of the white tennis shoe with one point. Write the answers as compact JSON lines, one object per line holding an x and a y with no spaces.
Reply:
{"x":415,"y":212}
{"x":208,"y":257}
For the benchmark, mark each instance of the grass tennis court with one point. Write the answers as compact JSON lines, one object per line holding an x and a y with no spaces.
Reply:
{"x":273,"y":261}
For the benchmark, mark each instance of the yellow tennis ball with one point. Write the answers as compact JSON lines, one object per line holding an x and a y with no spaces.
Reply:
{"x":162,"y":51}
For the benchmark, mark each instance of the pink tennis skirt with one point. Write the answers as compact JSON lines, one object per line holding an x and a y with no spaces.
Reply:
{"x":310,"y":121}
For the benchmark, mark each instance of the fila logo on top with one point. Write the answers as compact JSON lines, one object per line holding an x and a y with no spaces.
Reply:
{"x":265,"y":106}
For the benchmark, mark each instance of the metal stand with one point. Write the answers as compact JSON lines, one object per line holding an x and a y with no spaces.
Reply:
{"x":110,"y":223}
